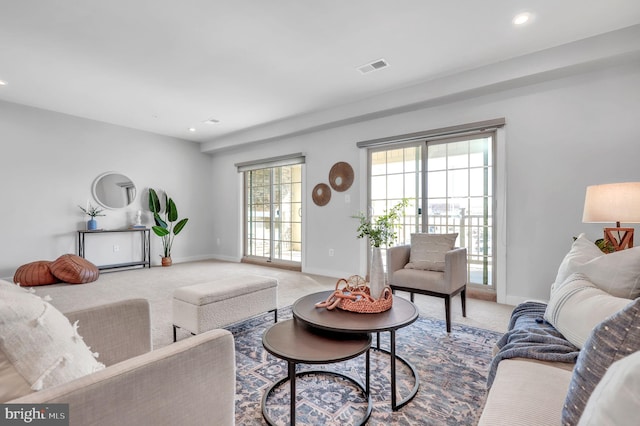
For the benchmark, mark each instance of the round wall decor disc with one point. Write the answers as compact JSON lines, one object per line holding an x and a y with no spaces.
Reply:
{"x":341,"y":176}
{"x":321,"y":194}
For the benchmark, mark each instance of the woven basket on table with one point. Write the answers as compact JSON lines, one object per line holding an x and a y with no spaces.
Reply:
{"x":355,"y":296}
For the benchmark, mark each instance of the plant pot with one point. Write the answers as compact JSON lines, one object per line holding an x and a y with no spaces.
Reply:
{"x":92,"y":224}
{"x":376,"y":274}
{"x":166,"y":261}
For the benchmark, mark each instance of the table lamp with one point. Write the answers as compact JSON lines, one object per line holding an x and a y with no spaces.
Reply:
{"x":614,"y":202}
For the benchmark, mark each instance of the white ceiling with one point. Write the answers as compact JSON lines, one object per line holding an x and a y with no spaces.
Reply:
{"x":164,"y":66}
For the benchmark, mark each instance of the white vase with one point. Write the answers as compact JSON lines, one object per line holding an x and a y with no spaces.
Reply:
{"x":376,"y":273}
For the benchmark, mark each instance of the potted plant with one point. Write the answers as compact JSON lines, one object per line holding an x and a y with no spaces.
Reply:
{"x":92,"y":212}
{"x":165,"y":227}
{"x":380,"y":232}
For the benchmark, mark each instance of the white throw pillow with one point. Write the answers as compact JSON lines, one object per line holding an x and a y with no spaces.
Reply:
{"x":615,"y":400}
{"x":39,"y":342}
{"x":12,"y":384}
{"x":616,"y":273}
{"x":582,"y":250}
{"x":577,"y":306}
{"x":428,"y":251}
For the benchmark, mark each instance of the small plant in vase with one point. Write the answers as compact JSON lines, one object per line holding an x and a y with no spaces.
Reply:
{"x":92,"y":212}
{"x":164,"y":227}
{"x":381,"y":232}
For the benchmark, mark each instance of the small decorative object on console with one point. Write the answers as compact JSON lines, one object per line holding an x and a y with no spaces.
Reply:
{"x":92,"y":211}
{"x":138,"y":224}
{"x":355,"y":296}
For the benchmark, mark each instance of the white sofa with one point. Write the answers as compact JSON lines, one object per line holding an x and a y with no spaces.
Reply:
{"x":191,"y":382}
{"x":594,"y":307}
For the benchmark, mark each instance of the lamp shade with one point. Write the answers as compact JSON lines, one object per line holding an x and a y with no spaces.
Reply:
{"x":613,"y":202}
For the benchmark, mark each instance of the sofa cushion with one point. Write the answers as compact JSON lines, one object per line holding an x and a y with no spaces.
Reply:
{"x":616,"y":273}
{"x":615,"y":400}
{"x":577,"y":306}
{"x":35,"y":273}
{"x":39,"y":342}
{"x":611,"y":340}
{"x":428,"y":251}
{"x":74,"y":269}
{"x":526,"y":392}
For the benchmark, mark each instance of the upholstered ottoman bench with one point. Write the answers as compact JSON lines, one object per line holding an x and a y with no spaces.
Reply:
{"x":202,"y":307}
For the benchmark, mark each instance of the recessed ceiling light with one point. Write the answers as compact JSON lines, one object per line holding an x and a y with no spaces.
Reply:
{"x":192,"y":129}
{"x":521,"y":18}
{"x":3,"y":83}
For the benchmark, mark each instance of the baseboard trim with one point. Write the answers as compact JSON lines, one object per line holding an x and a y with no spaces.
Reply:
{"x":295,"y":268}
{"x":480,"y":294}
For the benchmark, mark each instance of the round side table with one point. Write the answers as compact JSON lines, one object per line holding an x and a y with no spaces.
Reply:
{"x":295,"y":343}
{"x":401,"y":314}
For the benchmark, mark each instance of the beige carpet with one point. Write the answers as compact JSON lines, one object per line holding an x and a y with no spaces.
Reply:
{"x":157,"y":285}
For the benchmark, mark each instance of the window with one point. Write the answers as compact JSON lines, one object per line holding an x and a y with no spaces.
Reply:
{"x":273,"y":213}
{"x":450,"y":182}
{"x":459,"y":198}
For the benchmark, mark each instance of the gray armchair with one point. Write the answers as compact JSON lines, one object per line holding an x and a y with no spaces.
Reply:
{"x":191,"y":382}
{"x":445,"y":284}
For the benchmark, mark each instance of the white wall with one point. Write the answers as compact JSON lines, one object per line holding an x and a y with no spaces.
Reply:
{"x":48,"y":164}
{"x":561,"y":135}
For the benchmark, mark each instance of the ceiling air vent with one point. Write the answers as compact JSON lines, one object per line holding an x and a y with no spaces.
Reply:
{"x":373,"y":66}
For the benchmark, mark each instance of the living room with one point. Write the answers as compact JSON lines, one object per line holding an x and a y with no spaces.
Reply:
{"x":570,"y":112}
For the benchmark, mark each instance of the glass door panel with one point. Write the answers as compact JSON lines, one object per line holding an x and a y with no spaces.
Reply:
{"x":274,"y":213}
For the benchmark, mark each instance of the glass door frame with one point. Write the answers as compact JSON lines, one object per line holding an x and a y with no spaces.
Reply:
{"x":273,"y":221}
{"x":421,"y":221}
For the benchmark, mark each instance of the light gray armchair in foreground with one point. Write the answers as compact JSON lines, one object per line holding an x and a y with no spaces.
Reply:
{"x":431,"y":283}
{"x":191,"y":382}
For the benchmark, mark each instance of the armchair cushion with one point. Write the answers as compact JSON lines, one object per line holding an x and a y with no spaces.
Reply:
{"x":39,"y":342}
{"x":428,"y":251}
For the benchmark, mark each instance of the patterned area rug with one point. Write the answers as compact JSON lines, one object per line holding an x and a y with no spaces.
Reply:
{"x":452,"y":369}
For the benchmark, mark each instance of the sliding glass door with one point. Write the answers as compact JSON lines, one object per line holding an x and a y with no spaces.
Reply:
{"x":449,"y":183}
{"x":273,"y":214}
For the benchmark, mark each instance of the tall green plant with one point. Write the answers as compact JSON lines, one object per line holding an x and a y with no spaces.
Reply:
{"x":381,"y":231}
{"x":164,"y":227}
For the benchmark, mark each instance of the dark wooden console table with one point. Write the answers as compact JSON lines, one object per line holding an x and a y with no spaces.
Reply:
{"x":145,"y":239}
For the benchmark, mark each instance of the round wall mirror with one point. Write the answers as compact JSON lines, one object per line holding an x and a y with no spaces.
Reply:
{"x":113,"y":190}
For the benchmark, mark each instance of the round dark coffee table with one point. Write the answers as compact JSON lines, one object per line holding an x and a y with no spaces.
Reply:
{"x":295,"y":342}
{"x":401,"y":314}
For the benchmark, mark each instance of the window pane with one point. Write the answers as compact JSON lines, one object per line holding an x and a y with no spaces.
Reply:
{"x":395,"y":186}
{"x":378,"y":187}
{"x":457,"y":155}
{"x":437,"y":157}
{"x":395,"y":161}
{"x":458,"y":183}
{"x":480,"y":153}
{"x":411,"y":185}
{"x":436,"y":184}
